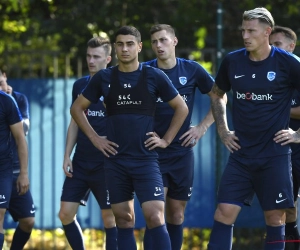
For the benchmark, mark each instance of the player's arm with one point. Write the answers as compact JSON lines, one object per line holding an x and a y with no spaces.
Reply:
{"x":180,"y":113}
{"x":70,"y":143}
{"x":100,"y":142}
{"x":18,"y":134}
{"x":295,"y":113}
{"x":218,"y":105}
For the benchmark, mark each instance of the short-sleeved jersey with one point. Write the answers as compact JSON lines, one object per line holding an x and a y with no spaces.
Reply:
{"x":129,"y":130}
{"x":96,"y":115}
{"x":295,"y":125}
{"x":262,"y":95}
{"x":9,"y":115}
{"x":186,"y":76}
{"x":23,"y":105}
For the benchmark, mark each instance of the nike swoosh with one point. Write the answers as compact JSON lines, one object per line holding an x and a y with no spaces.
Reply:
{"x":189,"y":194}
{"x":32,"y":211}
{"x":155,"y":194}
{"x":2,"y":202}
{"x":238,"y":76}
{"x":280,"y":200}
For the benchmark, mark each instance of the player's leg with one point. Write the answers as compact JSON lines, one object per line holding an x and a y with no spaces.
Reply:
{"x":22,"y":210}
{"x":124,"y":215}
{"x":98,"y":187}
{"x":180,"y":185}
{"x":150,"y":193}
{"x":121,"y":194}
{"x":291,"y":227}
{"x":275,"y":195}
{"x":235,"y":187}
{"x":73,"y":190}
{"x":2,"y":213}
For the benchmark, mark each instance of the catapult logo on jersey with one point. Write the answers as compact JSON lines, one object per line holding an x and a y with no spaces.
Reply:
{"x":126,"y":100}
{"x":99,"y":113}
{"x":253,"y":97}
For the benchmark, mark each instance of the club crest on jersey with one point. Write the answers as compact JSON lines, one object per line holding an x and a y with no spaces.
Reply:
{"x":271,"y":75}
{"x":182,"y":80}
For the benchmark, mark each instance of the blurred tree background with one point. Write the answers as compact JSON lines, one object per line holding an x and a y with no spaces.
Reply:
{"x":47,"y":38}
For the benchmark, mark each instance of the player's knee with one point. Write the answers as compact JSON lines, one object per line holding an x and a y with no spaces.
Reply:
{"x":65,"y":217}
{"x":291,"y":215}
{"x":227,"y":213}
{"x":124,"y":219}
{"x":108,"y":219}
{"x":27,"y":224}
{"x":275,"y":218}
{"x":155,"y":219}
{"x":176,"y":217}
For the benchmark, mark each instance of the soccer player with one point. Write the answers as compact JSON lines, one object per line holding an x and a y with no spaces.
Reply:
{"x":21,"y":207}
{"x":262,"y":79}
{"x":285,"y":38}
{"x":130,"y":91}
{"x":176,"y":162}
{"x":10,"y":124}
{"x":86,"y":170}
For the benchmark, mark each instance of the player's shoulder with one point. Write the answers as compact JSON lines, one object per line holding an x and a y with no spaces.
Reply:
{"x":277,"y":52}
{"x":152,"y":63}
{"x":18,"y":95}
{"x":6,"y":99}
{"x":82,"y":80}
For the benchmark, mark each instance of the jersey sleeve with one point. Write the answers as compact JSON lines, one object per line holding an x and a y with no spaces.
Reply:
{"x":222,"y":78}
{"x":204,"y":80}
{"x":13,"y":113}
{"x":23,"y":106}
{"x":93,"y":90}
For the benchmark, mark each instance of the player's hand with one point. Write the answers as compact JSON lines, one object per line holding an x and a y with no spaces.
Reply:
{"x":230,"y":141}
{"x":22,"y":183}
{"x":192,"y":136}
{"x":105,"y":146}
{"x":155,"y":141}
{"x":68,"y":167}
{"x":286,"y":136}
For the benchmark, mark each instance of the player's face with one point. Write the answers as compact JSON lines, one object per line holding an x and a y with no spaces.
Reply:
{"x":281,"y":41}
{"x":3,"y":84}
{"x":163,"y":44}
{"x":96,"y":59}
{"x":127,"y":48}
{"x":255,"y":35}
{"x":9,"y":90}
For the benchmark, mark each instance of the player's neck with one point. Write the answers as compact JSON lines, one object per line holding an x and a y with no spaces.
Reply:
{"x":167,"y":64}
{"x":128,"y":67}
{"x":260,"y":54}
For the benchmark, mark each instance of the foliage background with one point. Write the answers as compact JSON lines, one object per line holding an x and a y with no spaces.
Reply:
{"x":45,"y":38}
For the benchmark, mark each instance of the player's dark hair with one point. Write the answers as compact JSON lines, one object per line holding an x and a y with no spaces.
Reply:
{"x":289,"y":33}
{"x":98,"y":41}
{"x":129,"y":30}
{"x":159,"y":27}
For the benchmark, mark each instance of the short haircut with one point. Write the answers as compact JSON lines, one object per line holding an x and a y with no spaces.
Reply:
{"x":288,"y":33}
{"x":129,"y":30}
{"x":98,"y":41}
{"x":159,"y":27}
{"x":262,"y":14}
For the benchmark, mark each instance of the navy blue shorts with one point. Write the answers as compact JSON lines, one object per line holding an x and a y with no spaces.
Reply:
{"x":270,"y":178}
{"x":6,"y":180}
{"x":123,"y":178}
{"x":20,"y":206}
{"x":178,"y":175}
{"x":296,"y":176}
{"x":75,"y":188}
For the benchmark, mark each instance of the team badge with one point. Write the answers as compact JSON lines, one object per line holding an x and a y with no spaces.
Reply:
{"x":182,"y":80}
{"x":271,"y":75}
{"x":101,"y":98}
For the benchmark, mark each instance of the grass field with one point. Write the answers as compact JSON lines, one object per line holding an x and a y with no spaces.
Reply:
{"x":194,"y":239}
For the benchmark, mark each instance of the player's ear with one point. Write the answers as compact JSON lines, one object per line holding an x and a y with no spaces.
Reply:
{"x":108,"y":59}
{"x":175,"y":41}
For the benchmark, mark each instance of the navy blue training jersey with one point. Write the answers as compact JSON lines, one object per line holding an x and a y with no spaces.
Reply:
{"x":96,"y":115}
{"x":262,"y":94}
{"x":23,"y":105}
{"x":295,"y":125}
{"x":129,"y":129}
{"x":9,"y":115}
{"x":186,"y":76}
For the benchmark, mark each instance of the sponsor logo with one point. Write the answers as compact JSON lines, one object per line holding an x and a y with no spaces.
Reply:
{"x":99,"y":113}
{"x":254,"y":97}
{"x":157,"y":194}
{"x":3,"y":202}
{"x":32,"y":211}
{"x":184,"y":97}
{"x":238,"y":76}
{"x":126,"y":100}
{"x":182,"y":80}
{"x":294,"y":102}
